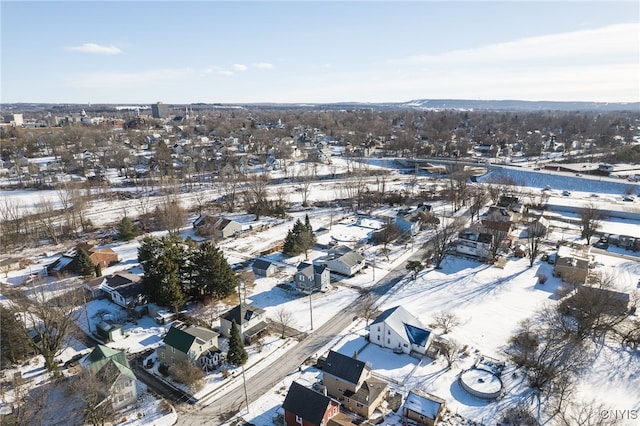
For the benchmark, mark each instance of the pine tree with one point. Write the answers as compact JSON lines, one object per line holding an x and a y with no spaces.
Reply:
{"x":83,"y":264}
{"x":98,"y":270}
{"x":237,"y":354}
{"x":289,"y":247}
{"x":213,"y":275}
{"x":126,"y":230}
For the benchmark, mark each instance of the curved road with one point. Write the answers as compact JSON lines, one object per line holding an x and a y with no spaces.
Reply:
{"x":224,"y":406}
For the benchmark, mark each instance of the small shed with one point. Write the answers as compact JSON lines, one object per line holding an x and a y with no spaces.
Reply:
{"x":264,"y":268}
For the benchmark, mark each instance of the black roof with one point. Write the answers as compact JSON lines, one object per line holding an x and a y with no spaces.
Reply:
{"x":344,"y":367}
{"x":306,"y":403}
{"x":244,"y":315}
{"x":261,"y":264}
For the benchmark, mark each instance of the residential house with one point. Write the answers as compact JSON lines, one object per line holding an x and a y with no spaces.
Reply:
{"x":194,"y":344}
{"x":306,"y":407}
{"x":264,"y":268}
{"x":311,"y":278}
{"x":349,"y":381}
{"x":123,"y":288}
{"x":423,"y":408}
{"x":103,"y":257}
{"x":112,"y":368}
{"x":572,"y":263}
{"x":408,"y":221}
{"x":251,"y":318}
{"x":539,"y":227}
{"x":218,"y":227}
{"x":343,"y":260}
{"x":397,"y":329}
{"x":474,"y":244}
{"x":99,"y":256}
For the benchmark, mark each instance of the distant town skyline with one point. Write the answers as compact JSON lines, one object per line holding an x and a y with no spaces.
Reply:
{"x":315,"y":52}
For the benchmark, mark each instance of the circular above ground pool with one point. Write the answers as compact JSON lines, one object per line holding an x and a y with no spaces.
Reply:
{"x":481,"y":383}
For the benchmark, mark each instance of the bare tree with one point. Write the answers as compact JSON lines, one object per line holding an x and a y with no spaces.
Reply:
{"x":590,"y":219}
{"x":256,"y":195}
{"x":305,"y":176}
{"x":229,"y":185}
{"x":450,"y":350}
{"x":48,"y":314}
{"x":46,"y":217}
{"x":534,"y":238}
{"x":446,"y":321}
{"x":284,"y":320}
{"x":442,"y":239}
{"x":170,"y":215}
{"x":367,"y":308}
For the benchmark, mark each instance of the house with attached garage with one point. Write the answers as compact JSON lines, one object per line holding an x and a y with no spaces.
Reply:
{"x":194,"y":344}
{"x":251,"y":319}
{"x":349,"y":381}
{"x":397,"y":329}
{"x":123,"y":288}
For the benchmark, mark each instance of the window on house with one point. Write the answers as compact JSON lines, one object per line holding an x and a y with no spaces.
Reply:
{"x":378,"y":338}
{"x":378,"y":328}
{"x":173,"y":360}
{"x":388,"y":340}
{"x":173,"y":350}
{"x":299,"y":420}
{"x":389,"y":332}
{"x":421,"y":417}
{"x":359,"y":405}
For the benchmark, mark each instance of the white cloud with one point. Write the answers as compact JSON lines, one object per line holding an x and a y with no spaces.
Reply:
{"x":131,"y":79}
{"x":263,"y":65}
{"x":95,"y":48}
{"x":239,"y":67}
{"x":590,"y":46}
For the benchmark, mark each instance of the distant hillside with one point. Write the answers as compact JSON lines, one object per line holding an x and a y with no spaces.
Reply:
{"x":512,"y":105}
{"x":426,"y":104}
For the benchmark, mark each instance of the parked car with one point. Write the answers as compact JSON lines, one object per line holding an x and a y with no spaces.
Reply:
{"x":565,"y":193}
{"x":628,"y":198}
{"x":552,"y":258}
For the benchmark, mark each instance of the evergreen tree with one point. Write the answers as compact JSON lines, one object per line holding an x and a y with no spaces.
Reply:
{"x":163,"y":261}
{"x":289,"y":247}
{"x":299,"y":239}
{"x":126,"y":230}
{"x":14,"y":346}
{"x":213,"y":275}
{"x":237,"y":354}
{"x":98,"y":270}
{"x":82,"y":264}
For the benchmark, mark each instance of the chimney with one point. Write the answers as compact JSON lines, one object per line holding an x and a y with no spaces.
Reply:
{"x":355,"y":355}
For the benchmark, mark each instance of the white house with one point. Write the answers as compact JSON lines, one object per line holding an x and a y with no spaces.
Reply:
{"x":343,"y":260}
{"x":397,"y":329}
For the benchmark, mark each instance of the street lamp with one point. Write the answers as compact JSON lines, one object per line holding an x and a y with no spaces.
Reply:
{"x":311,"y":309}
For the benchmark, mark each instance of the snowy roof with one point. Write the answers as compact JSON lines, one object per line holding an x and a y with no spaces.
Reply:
{"x":404,"y":324}
{"x":423,"y":403}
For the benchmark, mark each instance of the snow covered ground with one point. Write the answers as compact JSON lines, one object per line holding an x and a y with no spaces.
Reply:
{"x":491,"y":302}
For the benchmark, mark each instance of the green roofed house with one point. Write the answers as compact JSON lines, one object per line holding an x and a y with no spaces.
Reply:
{"x":194,"y":344}
{"x":112,"y":368}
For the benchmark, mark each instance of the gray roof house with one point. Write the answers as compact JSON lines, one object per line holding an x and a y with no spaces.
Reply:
{"x":397,"y":329}
{"x":349,"y":381}
{"x":343,"y":260}
{"x":264,"y":268}
{"x":310,"y":278}
{"x":251,"y":318}
{"x":219,"y":227}
{"x":123,"y":288}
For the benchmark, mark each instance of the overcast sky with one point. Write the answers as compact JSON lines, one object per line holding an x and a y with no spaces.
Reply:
{"x":330,"y":51}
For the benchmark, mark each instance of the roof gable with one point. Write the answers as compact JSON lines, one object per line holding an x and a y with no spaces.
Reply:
{"x":242,"y":313}
{"x":306,"y":403}
{"x":344,"y":367}
{"x":179,"y":339}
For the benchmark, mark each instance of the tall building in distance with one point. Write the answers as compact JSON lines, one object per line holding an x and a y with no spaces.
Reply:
{"x":160,"y":110}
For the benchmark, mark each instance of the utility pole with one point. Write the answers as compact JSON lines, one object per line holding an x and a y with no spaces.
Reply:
{"x":311,"y":310}
{"x":244,"y":379}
